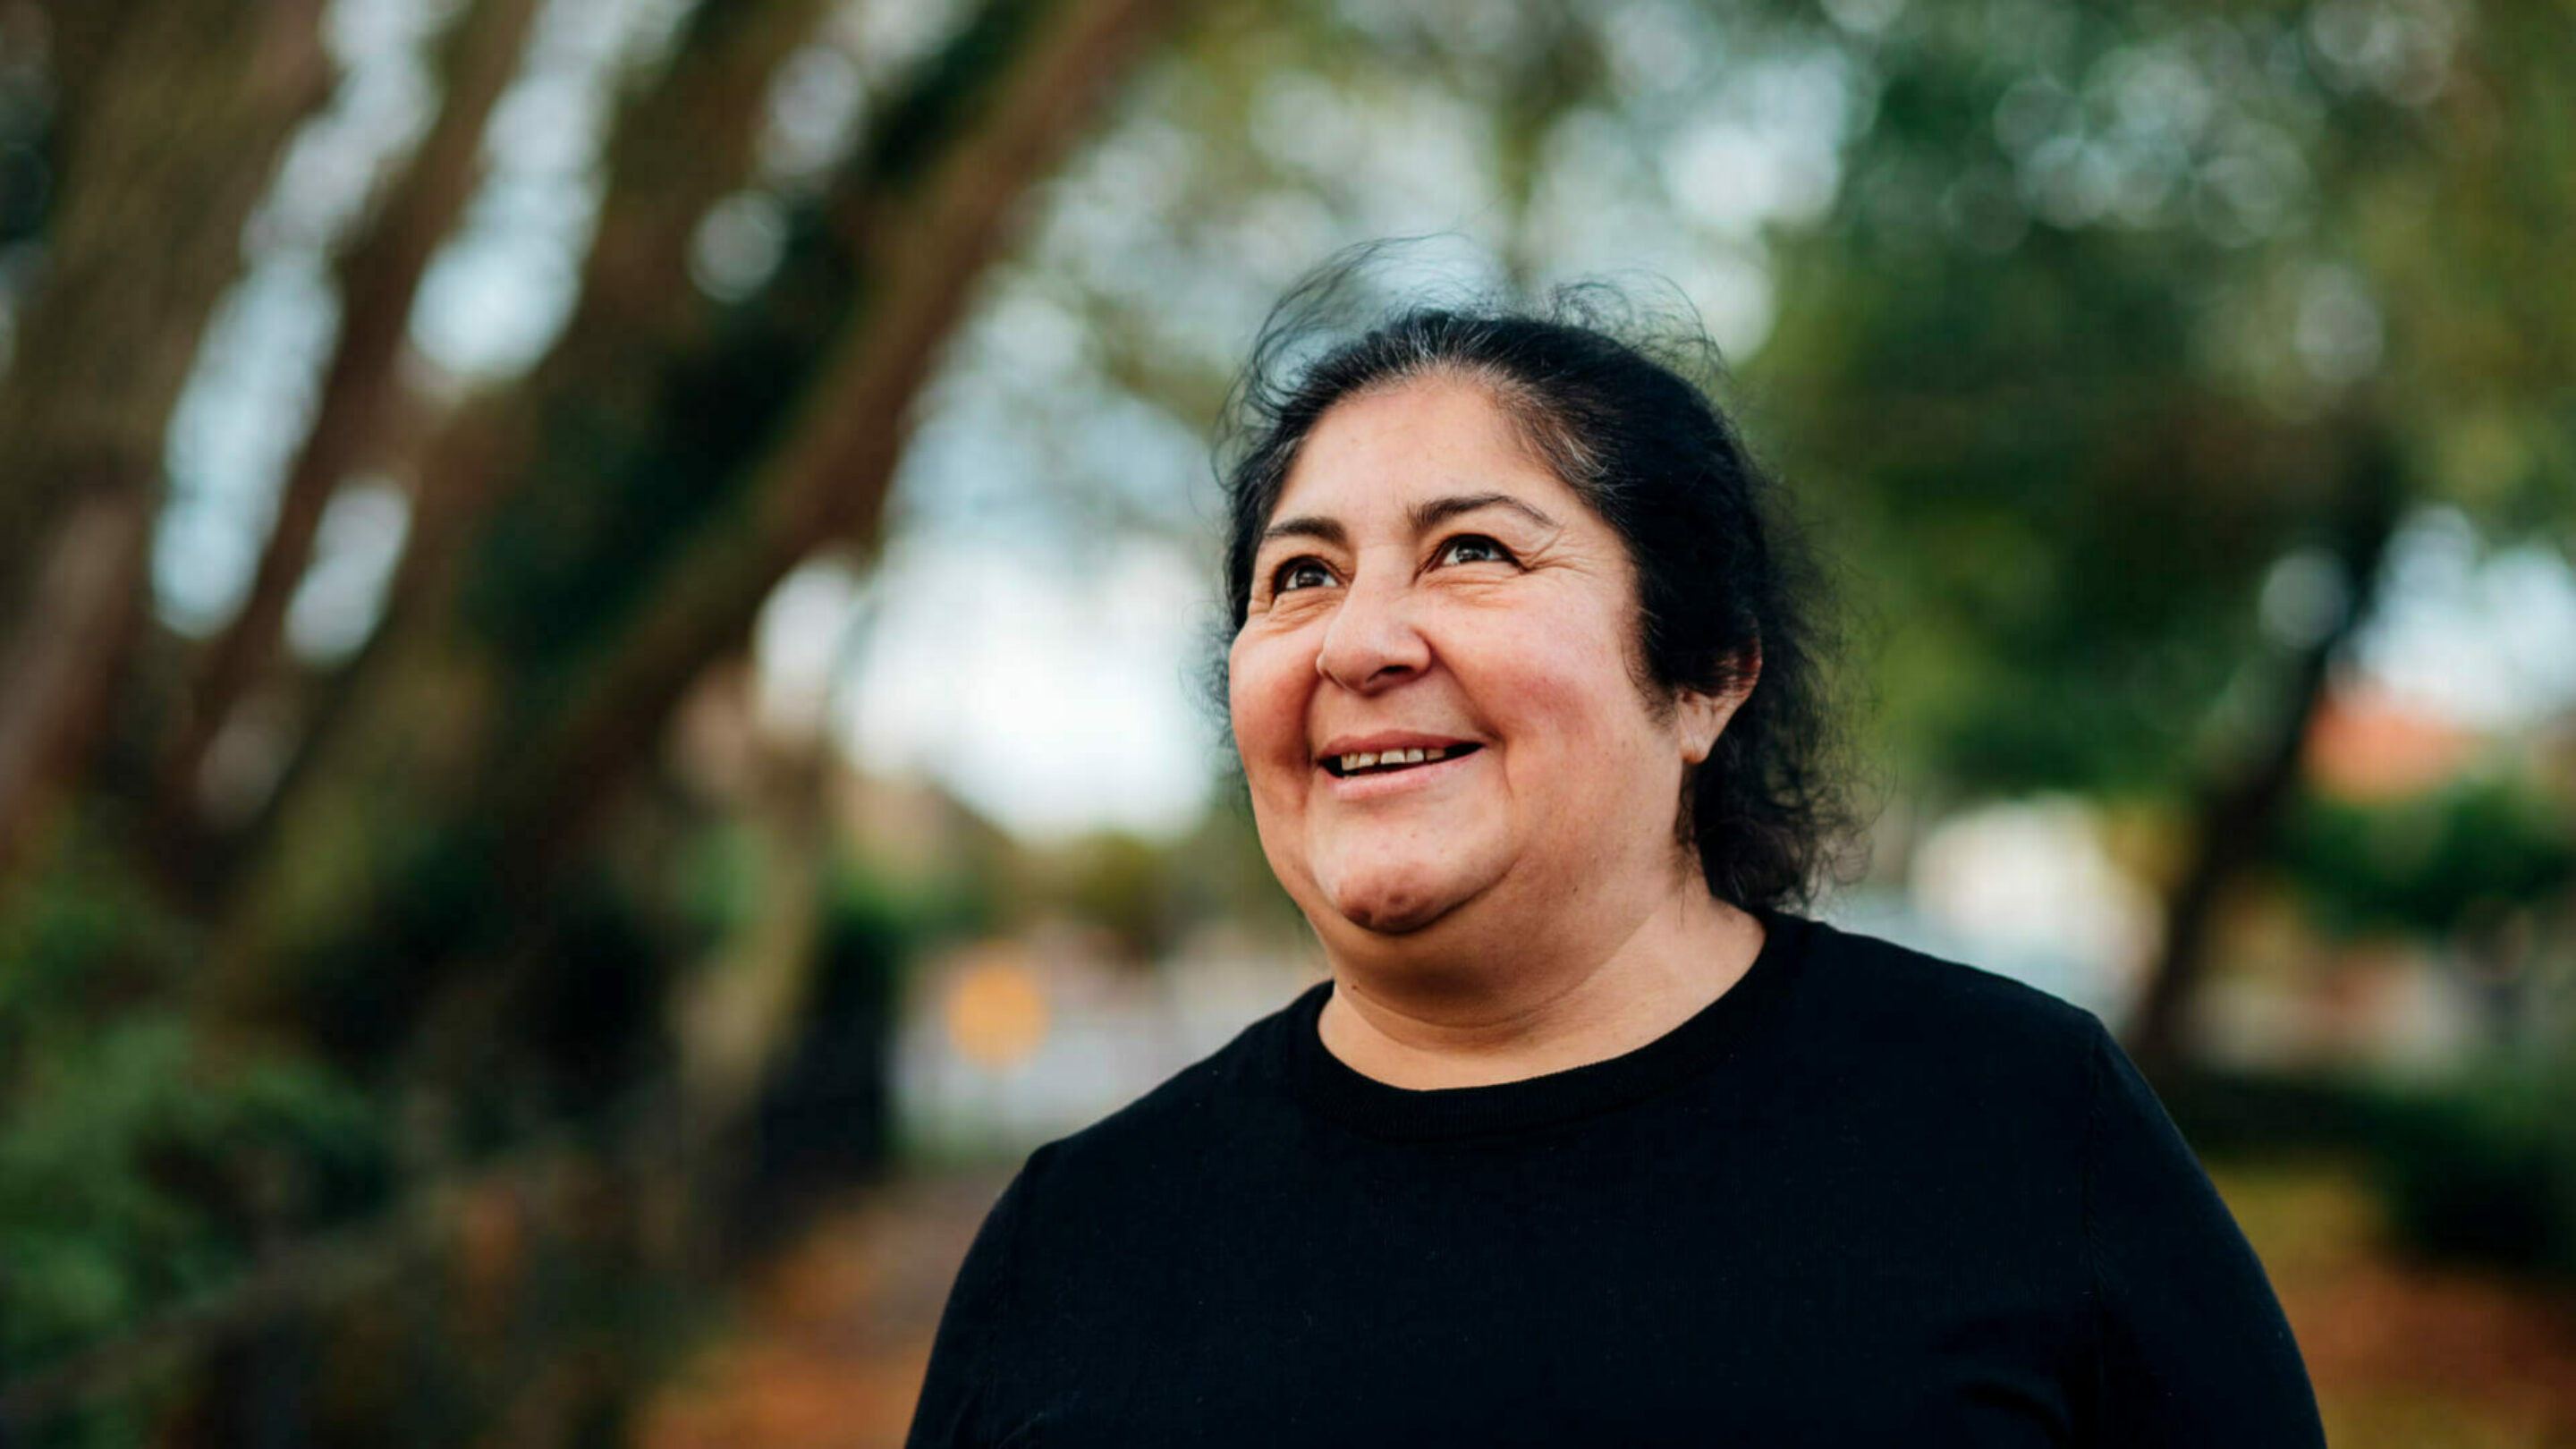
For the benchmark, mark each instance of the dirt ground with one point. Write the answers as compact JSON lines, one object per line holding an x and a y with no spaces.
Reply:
{"x":2406,"y":1354}
{"x":829,"y":1346}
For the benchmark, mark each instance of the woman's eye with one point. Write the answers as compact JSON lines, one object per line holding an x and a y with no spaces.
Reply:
{"x":1300,"y":573}
{"x":1473,"y":548}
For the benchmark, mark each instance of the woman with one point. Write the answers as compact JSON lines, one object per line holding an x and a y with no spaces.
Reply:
{"x":1588,"y":1140}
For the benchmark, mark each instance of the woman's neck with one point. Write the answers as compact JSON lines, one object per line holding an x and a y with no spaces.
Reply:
{"x":1391,"y":1019}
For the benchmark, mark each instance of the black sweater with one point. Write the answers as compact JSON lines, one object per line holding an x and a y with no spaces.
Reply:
{"x":1864,"y":1198}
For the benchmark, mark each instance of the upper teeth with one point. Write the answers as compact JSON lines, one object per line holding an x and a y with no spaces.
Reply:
{"x":1391,"y":757}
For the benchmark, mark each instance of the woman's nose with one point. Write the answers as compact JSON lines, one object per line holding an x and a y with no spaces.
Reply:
{"x":1371,"y":641}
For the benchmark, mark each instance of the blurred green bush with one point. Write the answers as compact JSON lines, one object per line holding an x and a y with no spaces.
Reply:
{"x":141,"y":1163}
{"x":2483,"y":1169}
{"x":2476,"y":1168}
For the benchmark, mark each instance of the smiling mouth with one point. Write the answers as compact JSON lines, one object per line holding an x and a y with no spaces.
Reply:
{"x":1343,"y":767}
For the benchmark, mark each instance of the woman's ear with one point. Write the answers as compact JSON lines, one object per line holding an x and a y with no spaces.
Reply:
{"x":1702,"y":717}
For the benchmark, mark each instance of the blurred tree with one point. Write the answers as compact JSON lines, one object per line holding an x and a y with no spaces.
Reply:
{"x":2120,"y":309}
{"x":419,"y":905}
{"x":379,"y":280}
{"x":139,"y":245}
{"x":568,"y":584}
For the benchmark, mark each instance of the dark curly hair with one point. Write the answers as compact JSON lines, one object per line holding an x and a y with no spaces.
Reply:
{"x":1603,"y":393}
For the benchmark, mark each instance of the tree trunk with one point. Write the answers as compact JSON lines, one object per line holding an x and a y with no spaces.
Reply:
{"x":380,"y":276}
{"x":921,"y":247}
{"x":81,"y":34}
{"x":636,"y":306}
{"x":79,"y":612}
{"x":2236,"y":815}
{"x":185,"y":113}
{"x":680,"y":146}
{"x":633,"y":527}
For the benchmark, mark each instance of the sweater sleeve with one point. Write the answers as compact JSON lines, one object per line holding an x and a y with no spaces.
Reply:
{"x":955,"y":1409}
{"x":2190,"y":1345}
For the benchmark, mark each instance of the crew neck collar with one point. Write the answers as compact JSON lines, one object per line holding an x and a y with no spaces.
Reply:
{"x":1377,"y":1109}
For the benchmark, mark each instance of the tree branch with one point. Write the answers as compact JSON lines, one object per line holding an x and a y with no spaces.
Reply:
{"x":2237,"y":814}
{"x":635,"y":303}
{"x":922,"y":242}
{"x":536,"y":671}
{"x":187,"y":112}
{"x":379,"y":279}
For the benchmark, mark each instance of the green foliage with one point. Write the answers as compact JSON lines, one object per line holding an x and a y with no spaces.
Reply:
{"x":26,"y":120}
{"x":2484,"y":1169}
{"x":2478,"y":1168}
{"x":2055,"y":372}
{"x":718,"y":882}
{"x":909,"y":913}
{"x":619,"y":490}
{"x":132,"y":1175}
{"x":915,"y":125}
{"x":78,"y":937}
{"x":139,"y":1162}
{"x":2425,"y":864}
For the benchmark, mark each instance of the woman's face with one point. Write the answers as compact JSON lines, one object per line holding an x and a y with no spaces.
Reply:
{"x":1426,"y":585}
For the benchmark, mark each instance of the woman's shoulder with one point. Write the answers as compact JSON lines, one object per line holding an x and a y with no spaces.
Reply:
{"x":1908,"y":1003}
{"x":1954,"y":1067}
{"x":1922,"y":980}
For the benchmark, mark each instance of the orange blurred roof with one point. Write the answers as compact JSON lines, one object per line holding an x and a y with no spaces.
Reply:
{"x":2366,"y":745}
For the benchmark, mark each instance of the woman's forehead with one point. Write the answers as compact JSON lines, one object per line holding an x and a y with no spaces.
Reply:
{"x":1383,"y":452}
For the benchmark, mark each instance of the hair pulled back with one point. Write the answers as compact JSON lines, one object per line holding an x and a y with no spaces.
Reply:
{"x":1603,"y":394}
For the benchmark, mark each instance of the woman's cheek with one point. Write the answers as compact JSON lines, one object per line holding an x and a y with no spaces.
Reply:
{"x":1560,"y":674}
{"x":1266,"y":702}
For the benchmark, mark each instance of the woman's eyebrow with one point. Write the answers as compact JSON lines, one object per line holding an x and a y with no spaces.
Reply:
{"x":1325,"y":529}
{"x":1431,"y":513}
{"x":1425,"y":516}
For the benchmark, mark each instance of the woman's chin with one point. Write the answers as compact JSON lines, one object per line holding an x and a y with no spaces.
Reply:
{"x":1395,"y":903}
